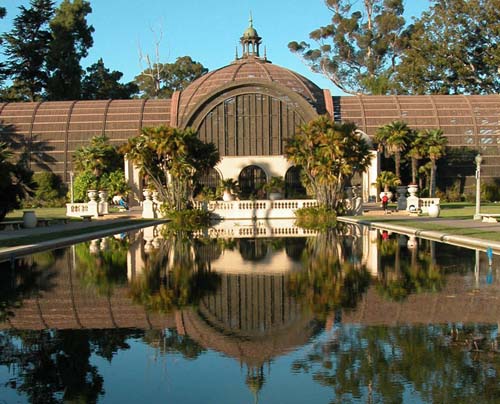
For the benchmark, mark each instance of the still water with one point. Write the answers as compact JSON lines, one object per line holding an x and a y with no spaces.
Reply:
{"x":251,"y":312}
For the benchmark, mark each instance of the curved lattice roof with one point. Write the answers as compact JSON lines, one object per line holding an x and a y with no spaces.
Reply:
{"x":56,"y":129}
{"x":248,"y":70}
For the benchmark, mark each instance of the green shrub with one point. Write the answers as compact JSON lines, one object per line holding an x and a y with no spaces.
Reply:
{"x":316,"y":218}
{"x":187,"y":220}
{"x":49,"y":192}
{"x":490,"y":192}
{"x":115,"y":183}
{"x":451,"y":194}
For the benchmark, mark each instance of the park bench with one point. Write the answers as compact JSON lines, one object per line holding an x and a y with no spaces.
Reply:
{"x":48,"y":222}
{"x":489,"y":217}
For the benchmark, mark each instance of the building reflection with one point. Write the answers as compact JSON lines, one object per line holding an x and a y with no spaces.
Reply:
{"x":242,"y":292}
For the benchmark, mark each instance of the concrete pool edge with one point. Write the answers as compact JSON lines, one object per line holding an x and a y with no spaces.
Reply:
{"x":10,"y":253}
{"x":434,"y":235}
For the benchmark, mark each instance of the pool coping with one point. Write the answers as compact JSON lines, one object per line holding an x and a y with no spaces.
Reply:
{"x":10,"y":253}
{"x":434,"y":235}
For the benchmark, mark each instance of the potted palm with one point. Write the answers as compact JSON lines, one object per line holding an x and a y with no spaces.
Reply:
{"x":229,"y":189}
{"x":387,"y":180}
{"x":275,"y":188}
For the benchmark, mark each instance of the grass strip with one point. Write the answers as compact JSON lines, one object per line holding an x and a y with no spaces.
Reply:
{"x":436,"y":226}
{"x":37,"y":238}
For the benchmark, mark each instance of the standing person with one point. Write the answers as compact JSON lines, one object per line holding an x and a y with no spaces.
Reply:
{"x":385,"y":202}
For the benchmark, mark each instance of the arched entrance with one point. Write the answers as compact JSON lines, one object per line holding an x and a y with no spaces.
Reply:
{"x":251,"y":179}
{"x":293,"y":185}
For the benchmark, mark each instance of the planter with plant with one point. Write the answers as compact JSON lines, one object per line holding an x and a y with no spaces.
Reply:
{"x":275,"y":188}
{"x":229,"y":189}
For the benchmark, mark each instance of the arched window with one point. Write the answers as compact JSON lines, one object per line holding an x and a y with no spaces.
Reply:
{"x":293,"y":185}
{"x":209,"y":179}
{"x":251,"y":179}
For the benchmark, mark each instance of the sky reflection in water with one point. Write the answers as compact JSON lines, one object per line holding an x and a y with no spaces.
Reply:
{"x":347,"y":316}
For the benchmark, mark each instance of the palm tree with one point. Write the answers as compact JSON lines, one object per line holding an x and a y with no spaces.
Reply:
{"x":330,"y":153}
{"x":387,"y":180}
{"x":93,"y":157}
{"x":417,"y":152}
{"x":435,"y":144}
{"x":172,"y":158}
{"x":393,"y":139}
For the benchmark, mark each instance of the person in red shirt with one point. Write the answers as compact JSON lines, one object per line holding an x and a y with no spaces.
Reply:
{"x":385,"y":202}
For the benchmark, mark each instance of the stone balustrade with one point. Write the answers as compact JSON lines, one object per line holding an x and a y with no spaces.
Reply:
{"x":259,"y":209}
{"x":424,"y":203}
{"x":77,"y":209}
{"x":256,"y":229}
{"x":93,"y":208}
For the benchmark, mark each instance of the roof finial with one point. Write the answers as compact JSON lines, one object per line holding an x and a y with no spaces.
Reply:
{"x":236,"y":57}
{"x":265,"y":52}
{"x":250,"y":21}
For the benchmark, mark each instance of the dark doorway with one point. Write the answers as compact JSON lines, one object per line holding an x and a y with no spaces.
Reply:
{"x":293,"y":185}
{"x":251,"y":179}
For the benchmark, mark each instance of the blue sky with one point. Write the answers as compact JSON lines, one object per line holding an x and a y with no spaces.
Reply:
{"x":208,"y":31}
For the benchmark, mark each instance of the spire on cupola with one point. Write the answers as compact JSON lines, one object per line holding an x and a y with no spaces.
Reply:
{"x":250,"y":41}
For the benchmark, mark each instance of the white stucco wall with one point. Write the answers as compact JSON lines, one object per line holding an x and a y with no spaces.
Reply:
{"x":273,"y":166}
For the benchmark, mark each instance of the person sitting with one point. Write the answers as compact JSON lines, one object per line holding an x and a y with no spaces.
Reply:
{"x":120,"y":201}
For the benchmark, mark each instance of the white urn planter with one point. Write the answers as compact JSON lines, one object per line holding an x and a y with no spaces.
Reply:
{"x":103,"y":196}
{"x":227,"y":196}
{"x":92,"y":194}
{"x":273,"y":196}
{"x":434,"y":210}
{"x":29,"y":219}
{"x":412,"y":189}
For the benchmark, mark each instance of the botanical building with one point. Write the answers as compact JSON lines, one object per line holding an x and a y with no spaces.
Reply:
{"x":249,"y":109}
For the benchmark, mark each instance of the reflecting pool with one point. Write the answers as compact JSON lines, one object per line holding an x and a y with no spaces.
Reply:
{"x":250,"y":312}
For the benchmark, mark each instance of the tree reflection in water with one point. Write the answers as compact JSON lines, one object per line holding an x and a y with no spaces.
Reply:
{"x":393,"y":364}
{"x":333,"y":276}
{"x":104,"y":268}
{"x":169,"y":341}
{"x":404,"y":271}
{"x":26,"y":278}
{"x":53,"y":366}
{"x":175,"y":275}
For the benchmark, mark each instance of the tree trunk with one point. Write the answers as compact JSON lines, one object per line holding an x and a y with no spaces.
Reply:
{"x":397,"y":158}
{"x":432,"y":186}
{"x":413,"y":170}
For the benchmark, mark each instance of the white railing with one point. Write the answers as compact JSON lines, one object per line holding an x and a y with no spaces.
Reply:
{"x":76,"y":209}
{"x":260,"y":209}
{"x":259,"y":228}
{"x":424,"y":203}
{"x":82,"y":209}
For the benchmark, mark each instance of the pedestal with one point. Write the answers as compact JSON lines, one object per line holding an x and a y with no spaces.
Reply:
{"x":103,"y":203}
{"x":402,"y":197}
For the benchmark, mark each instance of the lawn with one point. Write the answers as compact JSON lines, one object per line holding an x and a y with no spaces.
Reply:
{"x":43,"y":213}
{"x":47,"y":213}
